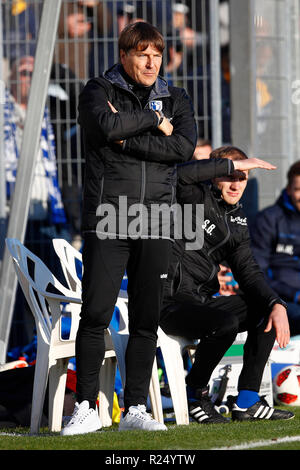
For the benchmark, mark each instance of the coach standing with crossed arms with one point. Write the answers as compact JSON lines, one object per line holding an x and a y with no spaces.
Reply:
{"x":136,"y":129}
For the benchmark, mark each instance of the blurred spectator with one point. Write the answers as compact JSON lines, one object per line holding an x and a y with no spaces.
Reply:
{"x":103,"y":46}
{"x":202,"y":149}
{"x":46,"y":217}
{"x":126,"y":13}
{"x":45,"y":191}
{"x":276,"y":245}
{"x":73,"y":46}
{"x":202,"y":100}
{"x":172,"y":70}
{"x":228,"y":286}
{"x":180,"y":21}
{"x":20,"y":20}
{"x":191,"y":41}
{"x":157,"y":16}
{"x":63,"y":92}
{"x":224,"y":22}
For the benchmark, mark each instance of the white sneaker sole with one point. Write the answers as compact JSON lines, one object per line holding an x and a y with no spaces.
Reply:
{"x":72,"y":431}
{"x":75,"y":432}
{"x":125,"y":427}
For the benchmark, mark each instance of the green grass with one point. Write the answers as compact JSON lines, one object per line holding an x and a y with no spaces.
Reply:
{"x":192,"y":437}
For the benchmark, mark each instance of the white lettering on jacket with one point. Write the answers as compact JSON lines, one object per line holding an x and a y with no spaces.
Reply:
{"x":239,"y":220}
{"x":208,"y":228}
{"x":288,"y":249}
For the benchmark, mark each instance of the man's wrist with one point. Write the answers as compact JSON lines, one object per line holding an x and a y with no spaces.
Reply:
{"x":278,"y":301}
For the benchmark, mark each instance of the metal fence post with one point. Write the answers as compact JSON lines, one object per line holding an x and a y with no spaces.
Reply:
{"x":242,"y":75}
{"x":215,"y":74}
{"x":29,"y":149}
{"x":2,"y":163}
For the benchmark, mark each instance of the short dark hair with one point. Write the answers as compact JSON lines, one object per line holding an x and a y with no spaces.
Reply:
{"x":139,"y":36}
{"x":228,"y":151}
{"x":293,"y":171}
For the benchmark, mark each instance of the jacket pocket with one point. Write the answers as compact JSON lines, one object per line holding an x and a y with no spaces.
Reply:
{"x":101,"y":189}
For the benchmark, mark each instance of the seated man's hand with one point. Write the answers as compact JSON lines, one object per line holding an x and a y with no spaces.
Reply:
{"x":279,"y":319}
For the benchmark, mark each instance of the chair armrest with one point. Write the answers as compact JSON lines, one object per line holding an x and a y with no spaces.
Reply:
{"x":61,"y":298}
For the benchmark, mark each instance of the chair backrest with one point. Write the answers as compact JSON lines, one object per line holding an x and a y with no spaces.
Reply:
{"x":71,"y":263}
{"x":35,"y":280}
{"x":122,"y":305}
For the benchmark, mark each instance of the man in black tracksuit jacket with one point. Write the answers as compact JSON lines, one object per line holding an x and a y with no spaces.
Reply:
{"x":191,"y":308}
{"x":135,"y":129}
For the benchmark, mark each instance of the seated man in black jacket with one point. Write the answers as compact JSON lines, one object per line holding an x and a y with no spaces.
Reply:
{"x":190,"y":308}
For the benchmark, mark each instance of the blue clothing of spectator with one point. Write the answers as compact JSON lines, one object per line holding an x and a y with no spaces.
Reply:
{"x":276,"y":247}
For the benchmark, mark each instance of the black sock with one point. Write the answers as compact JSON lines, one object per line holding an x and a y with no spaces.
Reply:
{"x":92,"y":404}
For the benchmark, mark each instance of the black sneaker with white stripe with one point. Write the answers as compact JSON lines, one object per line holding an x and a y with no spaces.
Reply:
{"x":203,"y":410}
{"x":260,"y":410}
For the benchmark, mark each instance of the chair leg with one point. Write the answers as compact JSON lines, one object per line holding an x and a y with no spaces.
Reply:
{"x":120,"y":344}
{"x":106,"y":393}
{"x":57,"y":389}
{"x":155,"y":396}
{"x":39,"y":390}
{"x":176,"y":378}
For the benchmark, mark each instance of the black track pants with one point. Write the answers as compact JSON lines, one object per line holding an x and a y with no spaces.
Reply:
{"x":105,"y":261}
{"x":216,"y":323}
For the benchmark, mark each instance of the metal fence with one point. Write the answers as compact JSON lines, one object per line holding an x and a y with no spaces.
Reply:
{"x":274,"y":119}
{"x":86,"y":45}
{"x":264,"y":40}
{"x":238,"y":60}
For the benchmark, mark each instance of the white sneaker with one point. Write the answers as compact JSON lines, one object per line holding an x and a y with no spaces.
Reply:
{"x":83,"y":420}
{"x":138,"y":419}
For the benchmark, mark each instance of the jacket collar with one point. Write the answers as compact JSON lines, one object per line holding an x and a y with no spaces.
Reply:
{"x":285,"y":201}
{"x":114,"y":75}
{"x":228,"y":207}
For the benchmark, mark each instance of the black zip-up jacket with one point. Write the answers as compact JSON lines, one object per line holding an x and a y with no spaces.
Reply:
{"x":192,"y":275}
{"x":143,"y":169}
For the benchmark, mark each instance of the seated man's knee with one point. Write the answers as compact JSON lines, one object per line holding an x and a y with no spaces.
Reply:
{"x":228,"y":328}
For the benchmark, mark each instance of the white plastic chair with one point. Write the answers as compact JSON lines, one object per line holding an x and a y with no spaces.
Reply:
{"x":68,"y":256}
{"x":71,"y":264}
{"x":53,"y":352}
{"x":120,"y":340}
{"x":172,"y":350}
{"x":171,"y":347}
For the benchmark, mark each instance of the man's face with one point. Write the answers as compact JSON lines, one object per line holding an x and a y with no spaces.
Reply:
{"x":232,"y":187}
{"x":293,"y":191}
{"x":142,"y":66}
{"x":21,"y":75}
